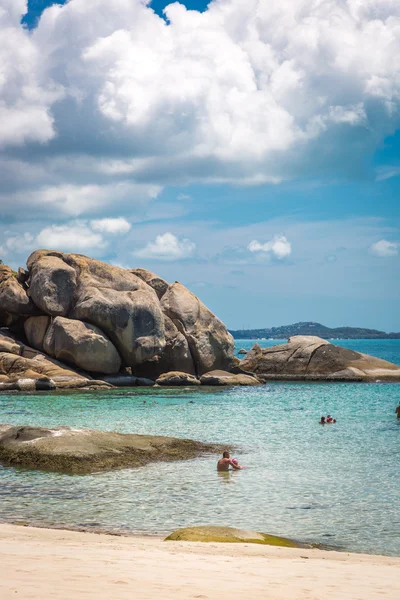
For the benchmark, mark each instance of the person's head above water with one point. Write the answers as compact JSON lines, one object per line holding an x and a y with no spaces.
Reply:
{"x":226,"y":454}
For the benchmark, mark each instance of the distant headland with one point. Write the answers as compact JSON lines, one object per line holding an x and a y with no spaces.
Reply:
{"x":284,"y":332}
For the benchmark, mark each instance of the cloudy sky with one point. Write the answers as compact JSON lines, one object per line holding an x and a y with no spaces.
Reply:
{"x":247,"y":148}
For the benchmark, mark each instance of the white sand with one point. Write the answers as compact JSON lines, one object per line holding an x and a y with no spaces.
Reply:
{"x":54,"y":564}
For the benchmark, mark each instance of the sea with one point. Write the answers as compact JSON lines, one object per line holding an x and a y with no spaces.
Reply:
{"x":337,"y":484}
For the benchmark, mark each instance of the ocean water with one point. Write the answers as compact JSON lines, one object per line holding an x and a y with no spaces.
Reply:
{"x":337,"y":484}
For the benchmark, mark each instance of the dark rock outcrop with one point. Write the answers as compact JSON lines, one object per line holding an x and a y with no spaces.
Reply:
{"x":65,"y":449}
{"x":312,"y":358}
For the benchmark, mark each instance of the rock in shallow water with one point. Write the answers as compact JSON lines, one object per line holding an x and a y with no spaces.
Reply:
{"x":223,"y":378}
{"x":211,"y":533}
{"x":313,"y":358}
{"x":176,"y":378}
{"x":69,"y":450}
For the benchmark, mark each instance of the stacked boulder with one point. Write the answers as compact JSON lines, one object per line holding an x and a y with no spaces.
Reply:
{"x":105,"y":321}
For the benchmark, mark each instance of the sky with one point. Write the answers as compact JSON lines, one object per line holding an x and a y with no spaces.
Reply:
{"x":247,"y":148}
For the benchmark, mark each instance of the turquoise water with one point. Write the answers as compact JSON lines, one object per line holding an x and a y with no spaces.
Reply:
{"x":336,"y":484}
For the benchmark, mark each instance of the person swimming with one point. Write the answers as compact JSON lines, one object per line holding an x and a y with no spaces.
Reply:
{"x":322,"y":421}
{"x":225,"y":462}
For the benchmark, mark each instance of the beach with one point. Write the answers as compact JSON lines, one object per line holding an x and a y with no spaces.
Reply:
{"x":60,"y":565}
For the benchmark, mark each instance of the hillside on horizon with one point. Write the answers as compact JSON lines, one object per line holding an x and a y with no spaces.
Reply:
{"x":311,"y":328}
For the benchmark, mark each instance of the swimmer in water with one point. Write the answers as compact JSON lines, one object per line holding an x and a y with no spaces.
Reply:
{"x":322,"y":421}
{"x":397,"y":411}
{"x":225,"y":462}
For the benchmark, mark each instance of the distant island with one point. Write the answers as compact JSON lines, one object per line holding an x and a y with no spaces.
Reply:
{"x":310,"y":328}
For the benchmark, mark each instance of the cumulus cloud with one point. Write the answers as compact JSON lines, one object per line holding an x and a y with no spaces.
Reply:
{"x":384,"y":248}
{"x":26,"y":92}
{"x":248,"y":91}
{"x":279,"y":247}
{"x":74,"y":236}
{"x":117,"y":225}
{"x":167,"y":247}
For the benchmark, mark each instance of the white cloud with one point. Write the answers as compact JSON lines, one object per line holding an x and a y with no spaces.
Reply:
{"x":167,"y":247}
{"x":75,"y":236}
{"x":279,"y":246}
{"x":384,"y":248}
{"x":26,"y":92}
{"x":71,"y":200}
{"x":69,"y":238}
{"x":249,"y":91}
{"x":117,"y":225}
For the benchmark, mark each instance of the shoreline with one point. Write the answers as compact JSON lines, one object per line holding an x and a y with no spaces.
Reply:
{"x":61,"y":564}
{"x":120,"y":533}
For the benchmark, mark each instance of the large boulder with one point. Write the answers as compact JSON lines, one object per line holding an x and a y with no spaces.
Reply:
{"x":223,"y":378}
{"x":229,"y":535}
{"x":52,"y":284}
{"x":14,"y":300}
{"x":65,"y":449}
{"x":83,"y":345}
{"x":73,"y":341}
{"x":176,"y":355}
{"x":310,"y":357}
{"x":210,"y":343}
{"x":120,"y":303}
{"x":35,"y":330}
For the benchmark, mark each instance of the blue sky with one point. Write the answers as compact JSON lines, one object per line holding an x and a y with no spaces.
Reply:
{"x":230,"y":150}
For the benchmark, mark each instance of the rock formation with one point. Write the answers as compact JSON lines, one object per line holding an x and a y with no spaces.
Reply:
{"x":69,"y":450}
{"x":71,"y":321}
{"x":312,"y":358}
{"x":101,"y":319}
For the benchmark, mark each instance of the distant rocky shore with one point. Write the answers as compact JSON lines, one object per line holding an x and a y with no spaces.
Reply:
{"x":315,"y":329}
{"x":71,"y":322}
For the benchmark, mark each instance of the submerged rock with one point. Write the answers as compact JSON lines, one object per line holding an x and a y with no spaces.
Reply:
{"x":211,"y":533}
{"x":65,"y":449}
{"x":313,"y":358}
{"x":225,"y":378}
